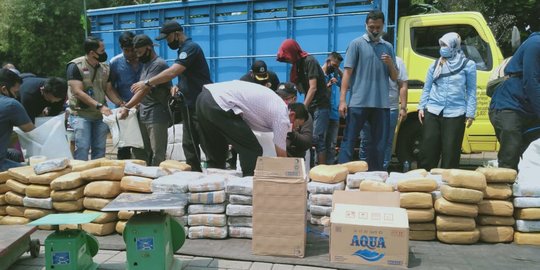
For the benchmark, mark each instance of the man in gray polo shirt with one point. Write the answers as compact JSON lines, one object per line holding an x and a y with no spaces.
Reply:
{"x":369,"y":63}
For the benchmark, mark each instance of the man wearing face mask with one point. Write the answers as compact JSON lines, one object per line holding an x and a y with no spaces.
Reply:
{"x":12,"y":113}
{"x":154,"y":115}
{"x":192,"y":71}
{"x":43,"y":96}
{"x":88,"y":84}
{"x":260,"y":74}
{"x":369,"y":63}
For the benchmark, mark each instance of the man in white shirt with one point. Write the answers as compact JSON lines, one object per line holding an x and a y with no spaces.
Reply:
{"x":229,"y":111}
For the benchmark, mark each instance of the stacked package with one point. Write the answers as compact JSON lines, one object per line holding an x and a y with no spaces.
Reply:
{"x":206,"y":212}
{"x":240,"y":210}
{"x":19,"y":180}
{"x":495,"y":220}
{"x":355,"y":180}
{"x":4,"y":176}
{"x":324,"y":180}
{"x":415,"y":196}
{"x":458,"y":207}
{"x":526,"y":193}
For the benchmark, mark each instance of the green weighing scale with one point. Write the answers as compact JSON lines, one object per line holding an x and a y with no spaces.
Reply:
{"x":71,"y":249}
{"x":151,"y":237}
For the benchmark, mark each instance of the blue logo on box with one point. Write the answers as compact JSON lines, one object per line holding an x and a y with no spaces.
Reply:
{"x":368,"y":255}
{"x":60,"y":258}
{"x":145,"y":243}
{"x":372,"y":247}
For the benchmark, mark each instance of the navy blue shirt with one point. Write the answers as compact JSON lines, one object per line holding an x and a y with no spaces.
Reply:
{"x":123,"y":75}
{"x":33,"y":101}
{"x":12,"y":114}
{"x":521,"y":93}
{"x":197,"y":73}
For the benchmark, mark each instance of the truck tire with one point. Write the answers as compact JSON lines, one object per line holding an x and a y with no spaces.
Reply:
{"x":409,"y":140}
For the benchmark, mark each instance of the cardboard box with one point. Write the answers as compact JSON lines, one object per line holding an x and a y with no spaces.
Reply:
{"x":279,"y":207}
{"x":369,"y":228}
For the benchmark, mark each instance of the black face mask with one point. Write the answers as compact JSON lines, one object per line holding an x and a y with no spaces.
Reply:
{"x":174,"y":45}
{"x":146,"y":57}
{"x":102,"y":57}
{"x":330,"y":70}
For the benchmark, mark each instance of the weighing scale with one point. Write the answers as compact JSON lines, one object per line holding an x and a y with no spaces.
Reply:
{"x":151,"y":237}
{"x":71,"y":249}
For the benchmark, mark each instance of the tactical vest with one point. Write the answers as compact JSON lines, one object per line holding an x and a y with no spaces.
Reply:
{"x":94,"y":85}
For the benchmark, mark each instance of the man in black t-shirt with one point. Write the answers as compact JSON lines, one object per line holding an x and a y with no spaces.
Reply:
{"x":43,"y":96}
{"x":260,"y":74}
{"x":193,"y":72}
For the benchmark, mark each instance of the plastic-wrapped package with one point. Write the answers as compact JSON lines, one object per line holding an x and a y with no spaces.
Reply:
{"x":330,"y":174}
{"x":436,"y":195}
{"x":67,"y":195}
{"x":324,"y":188}
{"x":395,"y":177}
{"x":526,"y":189}
{"x":103,"y":189}
{"x":99,"y":229}
{"x":67,"y":181}
{"x":178,"y":212}
{"x":16,"y":211}
{"x":136,"y":184}
{"x":38,"y":191}
{"x":240,"y":186}
{"x":526,"y":202}
{"x":51,"y":165}
{"x":240,"y":221}
{"x":240,"y":232}
{"x":46,"y":178}
{"x":174,"y":165}
{"x":175,"y":183}
{"x":34,"y":213}
{"x":417,"y":185}
{"x":224,"y":173}
{"x":69,"y":206}
{"x":370,"y":185}
{"x":199,"y":232}
{"x":320,"y":199}
{"x":208,"y":183}
{"x":13,"y":198}
{"x":354,"y":180}
{"x":467,"y":179}
{"x":21,"y":174}
{"x":319,"y":220}
{"x":211,"y":197}
{"x":498,"y":175}
{"x":320,"y":210}
{"x":144,"y":171}
{"x":240,"y":199}
{"x":125,"y":215}
{"x":527,"y":225}
{"x":206,"y":209}
{"x":9,"y":220}
{"x":113,"y":173}
{"x":95,"y":203}
{"x":105,"y":217}
{"x":43,"y":203}
{"x":212,"y":220}
{"x":16,"y":186}
{"x":239,"y":210}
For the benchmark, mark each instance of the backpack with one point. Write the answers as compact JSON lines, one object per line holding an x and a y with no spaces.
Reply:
{"x":497,"y":77}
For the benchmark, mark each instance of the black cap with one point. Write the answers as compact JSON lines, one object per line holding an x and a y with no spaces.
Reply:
{"x":141,"y":41}
{"x":167,"y":28}
{"x":286,"y":90}
{"x":260,"y":70}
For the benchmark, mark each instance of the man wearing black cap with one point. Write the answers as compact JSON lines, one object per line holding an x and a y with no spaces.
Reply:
{"x":260,"y":74}
{"x":154,"y":115}
{"x":193,"y":72}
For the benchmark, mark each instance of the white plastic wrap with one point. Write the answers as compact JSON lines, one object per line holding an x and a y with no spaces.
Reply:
{"x":175,"y":183}
{"x":526,"y":202}
{"x":526,"y":189}
{"x":530,"y":163}
{"x":528,"y":225}
{"x":240,"y":232}
{"x":436,"y":195}
{"x":212,"y":220}
{"x":319,"y":220}
{"x":320,"y":199}
{"x":200,"y":232}
{"x":48,"y":140}
{"x":211,"y":197}
{"x":396,"y":177}
{"x":240,"y":221}
{"x":224,"y":173}
{"x":323,"y":188}
{"x":354,"y":180}
{"x":239,"y":210}
{"x":208,"y":183}
{"x":43,"y":203}
{"x":320,"y":210}
{"x":178,"y":212}
{"x":206,"y":209}
{"x":240,"y":199}
{"x":239,"y":186}
{"x":144,"y":171}
{"x":124,"y":132}
{"x":174,"y":134}
{"x":51,"y":165}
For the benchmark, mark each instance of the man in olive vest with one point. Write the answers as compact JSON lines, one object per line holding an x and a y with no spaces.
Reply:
{"x":88,"y":84}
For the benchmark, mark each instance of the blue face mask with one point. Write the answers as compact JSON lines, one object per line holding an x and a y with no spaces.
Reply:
{"x":446,"y":52}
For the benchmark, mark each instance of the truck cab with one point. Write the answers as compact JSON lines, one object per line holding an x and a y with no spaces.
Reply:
{"x":418,"y":46}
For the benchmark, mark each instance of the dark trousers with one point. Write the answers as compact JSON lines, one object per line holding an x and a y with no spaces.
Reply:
{"x":124,"y":153}
{"x":509,"y":127}
{"x":441,"y":140}
{"x":219,"y":128}
{"x":191,"y":138}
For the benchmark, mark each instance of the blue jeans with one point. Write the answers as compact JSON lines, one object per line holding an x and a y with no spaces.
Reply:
{"x":90,"y":136}
{"x":320,"y":125}
{"x":379,"y":119}
{"x":331,"y":141}
{"x":365,"y":139}
{"x":7,"y":164}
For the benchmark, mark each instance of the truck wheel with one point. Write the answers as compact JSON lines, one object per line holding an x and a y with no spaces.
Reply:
{"x":409,"y":140}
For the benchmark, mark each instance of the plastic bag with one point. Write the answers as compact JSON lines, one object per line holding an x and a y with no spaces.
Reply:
{"x":213,"y":220}
{"x":239,"y":186}
{"x":324,"y":188}
{"x":198,"y":232}
{"x":47,"y":140}
{"x":240,"y":199}
{"x":175,"y":183}
{"x":125,"y":132}
{"x":239,"y":210}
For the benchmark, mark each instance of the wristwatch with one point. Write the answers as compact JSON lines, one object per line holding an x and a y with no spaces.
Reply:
{"x":99,"y":106}
{"x":147,"y":83}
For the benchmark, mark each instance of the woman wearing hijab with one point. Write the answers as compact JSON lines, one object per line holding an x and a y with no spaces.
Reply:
{"x":307,"y":75}
{"x":447,"y":105}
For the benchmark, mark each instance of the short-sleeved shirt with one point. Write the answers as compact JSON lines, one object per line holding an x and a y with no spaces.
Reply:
{"x":197,"y":73}
{"x":261,"y":108}
{"x":123,"y":75}
{"x":309,"y":68}
{"x":369,"y":79}
{"x":12,"y":114}
{"x":33,"y":101}
{"x":272,"y":79}
{"x":154,"y":106}
{"x":394,"y":86}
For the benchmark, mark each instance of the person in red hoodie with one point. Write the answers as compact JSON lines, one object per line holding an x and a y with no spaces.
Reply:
{"x":307,"y":74}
